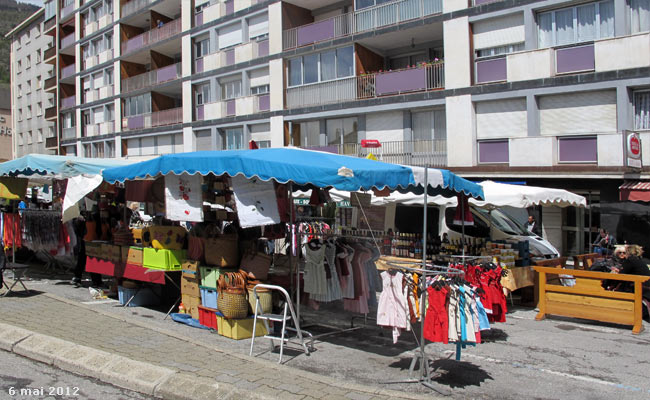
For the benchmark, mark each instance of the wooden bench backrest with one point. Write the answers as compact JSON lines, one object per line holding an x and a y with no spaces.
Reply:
{"x":585,"y":261}
{"x":553,"y":262}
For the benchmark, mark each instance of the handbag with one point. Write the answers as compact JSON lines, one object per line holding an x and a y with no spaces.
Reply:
{"x":257,"y":265}
{"x":222,"y":251}
{"x":195,"y":248}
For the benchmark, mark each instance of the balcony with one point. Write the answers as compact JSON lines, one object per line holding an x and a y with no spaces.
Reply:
{"x":103,"y":128}
{"x":67,"y":41}
{"x":68,"y":71}
{"x":159,"y":118}
{"x":67,"y":10}
{"x":49,"y":24}
{"x":50,"y":113}
{"x":152,"y":36}
{"x":50,"y":83}
{"x":51,"y":143}
{"x":422,"y":153}
{"x":491,"y":70}
{"x":68,"y":102}
{"x":235,"y":55}
{"x":151,"y":78}
{"x":210,"y":14}
{"x":477,"y":3}
{"x":134,"y":6}
{"x":49,"y":53}
{"x":360,"y":21}
{"x":69,"y":133}
{"x":422,"y":78}
{"x":98,"y":94}
{"x":92,"y":61}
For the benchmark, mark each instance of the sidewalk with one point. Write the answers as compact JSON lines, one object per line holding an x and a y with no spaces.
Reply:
{"x":154,"y":361}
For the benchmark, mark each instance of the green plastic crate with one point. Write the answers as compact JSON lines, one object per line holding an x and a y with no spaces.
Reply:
{"x":165,"y":259}
{"x":209,"y":276}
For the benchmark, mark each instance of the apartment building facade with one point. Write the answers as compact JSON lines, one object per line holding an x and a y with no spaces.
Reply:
{"x":538,"y":91}
{"x":31,"y":133}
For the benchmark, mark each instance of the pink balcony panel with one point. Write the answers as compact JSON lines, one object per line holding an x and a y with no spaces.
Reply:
{"x":494,"y":70}
{"x":575,"y":59}
{"x":264,"y":102}
{"x":167,"y":73}
{"x":200,"y":113}
{"x":199,"y":65}
{"x":198,"y":19}
{"x":230,"y":57}
{"x":316,"y":32}
{"x":67,"y":41}
{"x":67,"y":71}
{"x":407,"y":80}
{"x":263,"y":48}
{"x":230,"y":7}
{"x":67,"y":102}
{"x":231,"y":108}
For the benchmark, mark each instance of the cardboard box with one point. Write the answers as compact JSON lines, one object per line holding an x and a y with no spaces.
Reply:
{"x":191,"y":304}
{"x":105,"y":251}
{"x":191,"y":269}
{"x":190,"y":286}
{"x":134,"y":256}
{"x":115,"y":253}
{"x":239,"y":328}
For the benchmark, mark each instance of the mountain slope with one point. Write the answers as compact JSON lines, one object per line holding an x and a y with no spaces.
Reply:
{"x":12,"y":13}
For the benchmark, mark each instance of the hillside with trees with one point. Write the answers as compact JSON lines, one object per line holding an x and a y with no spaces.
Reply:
{"x":11,"y":14}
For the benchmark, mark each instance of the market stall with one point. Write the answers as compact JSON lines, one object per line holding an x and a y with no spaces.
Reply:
{"x":46,"y":227}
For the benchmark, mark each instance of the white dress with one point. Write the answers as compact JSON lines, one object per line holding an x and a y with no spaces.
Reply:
{"x":393,"y":307}
{"x":315,"y":276}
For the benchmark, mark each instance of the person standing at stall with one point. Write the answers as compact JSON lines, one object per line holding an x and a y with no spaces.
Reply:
{"x":80,"y":230}
{"x":533,"y":227}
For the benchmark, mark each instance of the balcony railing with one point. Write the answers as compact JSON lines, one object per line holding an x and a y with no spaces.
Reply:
{"x":68,"y":71}
{"x":50,"y":83}
{"x":67,"y":10}
{"x":50,"y":112}
{"x":362,"y":20}
{"x":159,"y":118}
{"x":68,"y":102}
{"x":423,"y":78}
{"x":49,"y":53}
{"x":155,"y":77}
{"x":491,"y":70}
{"x":103,"y":128}
{"x":69,"y":133}
{"x":49,"y":24}
{"x":92,"y":61}
{"x":134,"y":6}
{"x":51,"y":142}
{"x":423,"y":153}
{"x":67,"y":41}
{"x":262,"y":103}
{"x":152,"y":36}
{"x":98,"y":94}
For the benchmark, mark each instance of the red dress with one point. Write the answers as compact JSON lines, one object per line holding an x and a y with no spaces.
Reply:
{"x":436,"y":322}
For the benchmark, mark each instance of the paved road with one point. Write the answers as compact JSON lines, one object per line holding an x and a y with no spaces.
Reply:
{"x":21,"y":378}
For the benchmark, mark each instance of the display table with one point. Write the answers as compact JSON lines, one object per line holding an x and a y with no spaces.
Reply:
{"x":127,"y":271}
{"x":518,"y":277}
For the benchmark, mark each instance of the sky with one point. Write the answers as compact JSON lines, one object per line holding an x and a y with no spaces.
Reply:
{"x":35,"y":2}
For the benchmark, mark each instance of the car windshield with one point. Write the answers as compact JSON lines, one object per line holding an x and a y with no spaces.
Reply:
{"x":503,"y":222}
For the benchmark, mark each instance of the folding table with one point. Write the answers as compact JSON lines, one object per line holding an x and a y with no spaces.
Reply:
{"x":18,"y":273}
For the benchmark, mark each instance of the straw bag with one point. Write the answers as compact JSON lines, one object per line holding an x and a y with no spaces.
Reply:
{"x":222,"y":251}
{"x":232,"y":302}
{"x":195,"y":248}
{"x":257,"y":265}
{"x":266,"y":300}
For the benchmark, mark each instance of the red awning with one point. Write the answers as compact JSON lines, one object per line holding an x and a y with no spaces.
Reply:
{"x":635,"y":191}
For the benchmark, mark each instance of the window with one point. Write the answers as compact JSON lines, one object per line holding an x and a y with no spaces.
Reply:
{"x":28,"y":86}
{"x":38,"y":82}
{"x":642,"y":110}
{"x":109,"y":41}
{"x":39,"y":136}
{"x":493,"y":151}
{"x":39,"y":108}
{"x":110,"y":150}
{"x":263,"y":144}
{"x":38,"y":57}
{"x":202,"y":94}
{"x":109,"y":112}
{"x":230,"y":35}
{"x":29,"y":137}
{"x":20,"y":90}
{"x":640,"y":18}
{"x":20,"y":139}
{"x":342,"y":130}
{"x":260,"y":89}
{"x":428,"y":125}
{"x":321,"y":67}
{"x":234,"y":139}
{"x":231,"y":90}
{"x":50,"y":10}
{"x":369,"y":3}
{"x":37,"y":29}
{"x":19,"y":66}
{"x":202,"y":48}
{"x":28,"y":62}
{"x":406,"y":61}
{"x":496,"y":51}
{"x":98,"y":150}
{"x":137,"y":105}
{"x":87,"y":151}
{"x":581,"y":149}
{"x":108,"y":76}
{"x":258,"y":27}
{"x":20,"y":114}
{"x":29,"y":111}
{"x":576,"y":24}
{"x":109,"y":8}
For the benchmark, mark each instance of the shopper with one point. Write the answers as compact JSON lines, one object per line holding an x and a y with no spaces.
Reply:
{"x":80,"y":230}
{"x":533,"y":227}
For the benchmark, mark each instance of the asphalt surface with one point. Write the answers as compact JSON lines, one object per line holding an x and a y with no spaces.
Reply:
{"x":24,"y":379}
{"x":558,"y":358}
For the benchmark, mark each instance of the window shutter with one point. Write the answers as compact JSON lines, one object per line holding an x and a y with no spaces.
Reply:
{"x":259,"y":77}
{"x":500,"y":31}
{"x":501,"y":119}
{"x":258,"y":25}
{"x":230,"y":36}
{"x":586,"y":112}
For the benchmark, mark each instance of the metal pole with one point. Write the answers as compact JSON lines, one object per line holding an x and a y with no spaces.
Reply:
{"x":462,"y":217}
{"x":292,"y":262}
{"x":13,"y":251}
{"x":591,"y":242}
{"x":423,"y":369}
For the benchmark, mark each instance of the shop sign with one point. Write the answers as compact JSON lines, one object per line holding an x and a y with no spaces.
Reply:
{"x":305,"y":202}
{"x":632,"y":150}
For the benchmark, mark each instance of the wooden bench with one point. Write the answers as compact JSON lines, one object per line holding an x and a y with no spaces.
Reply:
{"x":552,"y":262}
{"x":588,"y":300}
{"x":585,"y":261}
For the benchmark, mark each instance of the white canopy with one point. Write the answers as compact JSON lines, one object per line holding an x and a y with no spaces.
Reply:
{"x":496,"y":195}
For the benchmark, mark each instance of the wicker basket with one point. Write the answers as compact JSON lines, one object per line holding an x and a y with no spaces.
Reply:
{"x":233,"y":303}
{"x":266,"y":300}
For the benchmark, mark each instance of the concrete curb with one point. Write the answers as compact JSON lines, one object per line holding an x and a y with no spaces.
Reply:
{"x":260,"y":363}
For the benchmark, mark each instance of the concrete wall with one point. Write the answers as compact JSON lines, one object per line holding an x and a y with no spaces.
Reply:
{"x":275,"y":28}
{"x":537,"y":64}
{"x":276,"y":86}
{"x":461,"y":131}
{"x":531,"y":151}
{"x":610,"y":150}
{"x":622,"y":53}
{"x":457,"y":53}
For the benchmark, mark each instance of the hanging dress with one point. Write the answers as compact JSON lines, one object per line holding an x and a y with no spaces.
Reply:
{"x":436,"y":321}
{"x":392,"y":309}
{"x":315,"y":277}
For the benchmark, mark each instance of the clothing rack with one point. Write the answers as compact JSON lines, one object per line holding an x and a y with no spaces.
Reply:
{"x":420,"y":354}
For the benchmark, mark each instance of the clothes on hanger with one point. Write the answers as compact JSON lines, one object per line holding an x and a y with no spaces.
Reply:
{"x":487,"y":278}
{"x":393,"y":308}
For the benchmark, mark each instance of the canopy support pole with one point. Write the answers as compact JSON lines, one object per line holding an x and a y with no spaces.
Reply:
{"x":292,"y":263}
{"x":462,"y":217}
{"x":424,"y":361}
{"x":591,"y":239}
